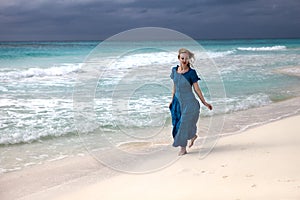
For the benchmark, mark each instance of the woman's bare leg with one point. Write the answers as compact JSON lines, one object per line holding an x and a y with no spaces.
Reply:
{"x":192,"y":141}
{"x":182,"y":151}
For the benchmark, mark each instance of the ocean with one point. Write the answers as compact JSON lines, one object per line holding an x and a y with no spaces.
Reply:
{"x":57,"y":101}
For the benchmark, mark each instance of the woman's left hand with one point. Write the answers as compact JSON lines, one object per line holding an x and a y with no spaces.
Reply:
{"x":208,"y":106}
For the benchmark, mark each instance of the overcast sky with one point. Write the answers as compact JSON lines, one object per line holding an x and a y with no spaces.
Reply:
{"x":100,"y":19}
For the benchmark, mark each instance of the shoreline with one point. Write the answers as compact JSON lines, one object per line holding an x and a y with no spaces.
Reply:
{"x":289,"y":70}
{"x":290,"y":103}
{"x":243,"y":166}
{"x":73,"y":178}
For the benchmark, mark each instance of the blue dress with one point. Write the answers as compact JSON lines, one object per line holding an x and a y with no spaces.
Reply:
{"x":184,"y":108}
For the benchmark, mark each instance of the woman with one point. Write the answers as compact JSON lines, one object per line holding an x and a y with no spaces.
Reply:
{"x":185,"y":107}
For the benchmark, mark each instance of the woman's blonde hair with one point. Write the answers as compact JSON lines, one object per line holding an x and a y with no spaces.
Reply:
{"x":189,"y":53}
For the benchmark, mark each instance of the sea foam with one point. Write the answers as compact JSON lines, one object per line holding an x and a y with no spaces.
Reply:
{"x":63,"y":69}
{"x":271,"y":48}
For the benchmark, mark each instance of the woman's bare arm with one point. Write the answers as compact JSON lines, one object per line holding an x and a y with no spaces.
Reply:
{"x":200,"y":95}
{"x":173,"y":93}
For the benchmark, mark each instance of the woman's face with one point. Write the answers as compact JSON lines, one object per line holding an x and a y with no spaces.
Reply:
{"x":183,"y":59}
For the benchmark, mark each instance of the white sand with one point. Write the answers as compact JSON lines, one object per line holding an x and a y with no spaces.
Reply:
{"x":292,"y":71}
{"x":261,"y":163}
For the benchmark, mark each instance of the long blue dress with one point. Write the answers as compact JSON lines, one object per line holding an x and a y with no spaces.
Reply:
{"x":184,"y":108}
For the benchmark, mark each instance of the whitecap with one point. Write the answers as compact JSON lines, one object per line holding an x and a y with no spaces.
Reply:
{"x":61,"y":70}
{"x":271,"y":48}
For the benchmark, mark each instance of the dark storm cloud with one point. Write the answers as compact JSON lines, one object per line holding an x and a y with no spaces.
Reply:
{"x":99,"y":19}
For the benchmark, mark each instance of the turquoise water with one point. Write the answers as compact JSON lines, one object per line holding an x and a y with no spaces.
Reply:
{"x":37,"y":81}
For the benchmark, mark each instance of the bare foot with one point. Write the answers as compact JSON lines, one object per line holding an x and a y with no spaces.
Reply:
{"x":192,"y":141}
{"x":182,"y":151}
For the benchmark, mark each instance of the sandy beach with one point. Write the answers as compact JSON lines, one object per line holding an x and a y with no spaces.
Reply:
{"x":260,"y":163}
{"x":93,"y":92}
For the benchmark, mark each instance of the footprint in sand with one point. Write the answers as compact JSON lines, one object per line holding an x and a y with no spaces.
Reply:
{"x":185,"y":170}
{"x":286,"y":180}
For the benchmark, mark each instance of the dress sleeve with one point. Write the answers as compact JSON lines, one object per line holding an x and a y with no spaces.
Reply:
{"x":172,"y":73}
{"x":194,"y":76}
